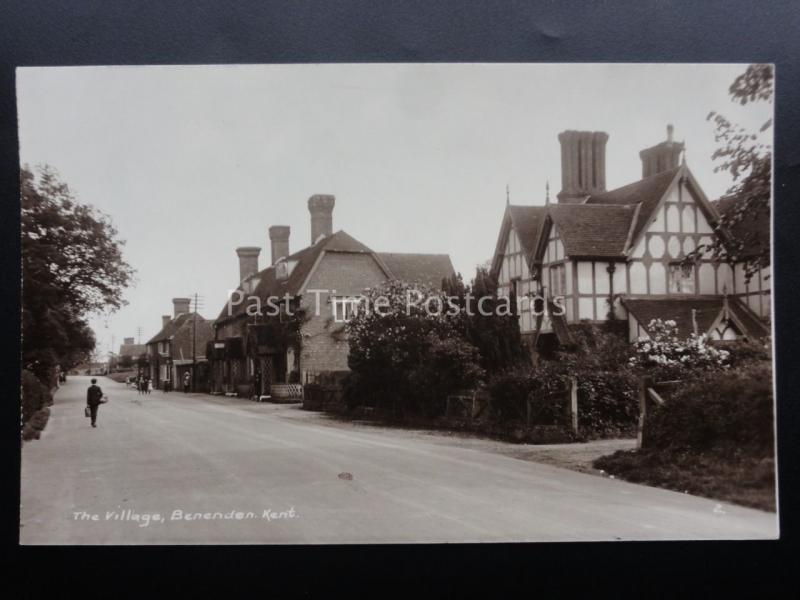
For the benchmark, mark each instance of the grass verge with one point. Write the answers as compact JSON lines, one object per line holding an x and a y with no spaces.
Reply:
{"x":743,"y":480}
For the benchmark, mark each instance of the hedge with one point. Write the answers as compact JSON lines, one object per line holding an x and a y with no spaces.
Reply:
{"x":724,"y":412}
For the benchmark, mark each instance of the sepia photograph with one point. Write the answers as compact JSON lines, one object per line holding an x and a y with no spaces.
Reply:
{"x":397,"y":303}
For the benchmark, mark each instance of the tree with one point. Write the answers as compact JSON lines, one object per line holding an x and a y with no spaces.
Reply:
{"x":72,"y":266}
{"x":743,"y":232}
{"x":495,"y":334}
{"x":408,"y":355}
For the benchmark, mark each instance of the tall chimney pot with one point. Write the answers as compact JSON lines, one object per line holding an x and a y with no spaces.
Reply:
{"x":583,"y":165}
{"x":248,"y":261}
{"x":661,"y":157}
{"x":321,"y":208}
{"x":279,"y":241}
{"x":164,"y":320}
{"x":181,"y":305}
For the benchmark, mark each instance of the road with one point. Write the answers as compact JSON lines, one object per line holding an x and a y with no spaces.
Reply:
{"x":260,"y":473}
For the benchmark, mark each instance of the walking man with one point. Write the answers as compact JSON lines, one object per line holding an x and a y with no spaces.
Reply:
{"x":94,"y":398}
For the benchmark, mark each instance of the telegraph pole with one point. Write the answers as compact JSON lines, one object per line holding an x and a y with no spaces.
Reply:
{"x":197,"y":300}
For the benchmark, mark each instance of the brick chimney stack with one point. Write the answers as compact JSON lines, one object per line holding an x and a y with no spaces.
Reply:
{"x":248,"y":261}
{"x":164,"y":320}
{"x":127,"y":341}
{"x":661,"y":157}
{"x":583,"y":165}
{"x":279,"y":241}
{"x":181,"y":305}
{"x":321,"y":208}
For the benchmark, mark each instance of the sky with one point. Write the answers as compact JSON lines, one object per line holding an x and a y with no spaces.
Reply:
{"x":191,"y":162}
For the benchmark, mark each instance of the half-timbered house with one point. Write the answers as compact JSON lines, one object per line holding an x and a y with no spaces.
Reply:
{"x":599,"y":255}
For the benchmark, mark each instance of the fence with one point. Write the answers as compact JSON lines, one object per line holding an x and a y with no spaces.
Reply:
{"x":287,"y":392}
{"x":651,"y":394}
{"x":472,"y":405}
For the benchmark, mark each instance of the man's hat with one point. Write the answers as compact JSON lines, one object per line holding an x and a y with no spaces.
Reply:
{"x":94,"y":380}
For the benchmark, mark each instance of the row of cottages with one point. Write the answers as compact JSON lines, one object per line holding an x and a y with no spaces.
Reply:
{"x":129,"y":353}
{"x":178,"y":347}
{"x":262,"y":355}
{"x":618,"y":254}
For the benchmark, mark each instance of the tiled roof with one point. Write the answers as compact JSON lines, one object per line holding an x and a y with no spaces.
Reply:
{"x":680,"y":311}
{"x":527,"y":222}
{"x":753,"y":230}
{"x":593,"y":230}
{"x":429,"y":269}
{"x":647,"y":191}
{"x":168,"y":330}
{"x":132,"y":349}
{"x":755,"y":327}
{"x":270,"y":285}
{"x":416,"y":267}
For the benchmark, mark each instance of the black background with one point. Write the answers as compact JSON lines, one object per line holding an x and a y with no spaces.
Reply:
{"x":113,"y":32}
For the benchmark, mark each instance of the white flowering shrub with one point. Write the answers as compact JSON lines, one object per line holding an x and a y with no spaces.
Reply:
{"x":669,"y":354}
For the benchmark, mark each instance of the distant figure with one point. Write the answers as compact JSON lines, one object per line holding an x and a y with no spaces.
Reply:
{"x":149,"y":385}
{"x":187,"y":382}
{"x":140,"y":384}
{"x":94,"y":398}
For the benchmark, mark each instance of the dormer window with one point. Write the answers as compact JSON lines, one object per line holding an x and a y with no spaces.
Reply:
{"x":281,"y":270}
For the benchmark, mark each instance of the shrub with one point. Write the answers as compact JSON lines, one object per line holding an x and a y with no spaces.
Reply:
{"x":608,"y":404}
{"x":512,"y":390}
{"x":404,"y":358}
{"x":729,"y":412}
{"x":35,"y":395}
{"x":607,"y":386}
{"x":742,"y":353}
{"x":508,"y":392}
{"x":666,"y":355}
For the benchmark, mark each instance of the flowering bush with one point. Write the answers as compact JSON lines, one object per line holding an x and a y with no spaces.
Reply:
{"x":671,"y":356}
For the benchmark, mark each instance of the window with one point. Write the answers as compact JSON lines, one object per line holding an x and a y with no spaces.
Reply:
{"x":558,"y":280}
{"x":681,"y":279}
{"x":344,"y":309}
{"x":726,"y":331}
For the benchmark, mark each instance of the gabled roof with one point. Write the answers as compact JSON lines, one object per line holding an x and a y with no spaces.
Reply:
{"x":648,"y":191}
{"x":269,"y":285}
{"x":168,"y":330}
{"x":426,"y":268}
{"x":593,"y":230}
{"x":527,"y":222}
{"x":132,"y":349}
{"x":429,"y":269}
{"x":680,"y":311}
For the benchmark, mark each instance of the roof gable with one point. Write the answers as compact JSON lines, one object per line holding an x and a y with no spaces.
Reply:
{"x":427,"y":268}
{"x":648,"y":192}
{"x":172,"y":326}
{"x":706,"y":313}
{"x":527,"y":222}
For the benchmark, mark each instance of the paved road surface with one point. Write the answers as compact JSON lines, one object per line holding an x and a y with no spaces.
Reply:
{"x":215,"y":456}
